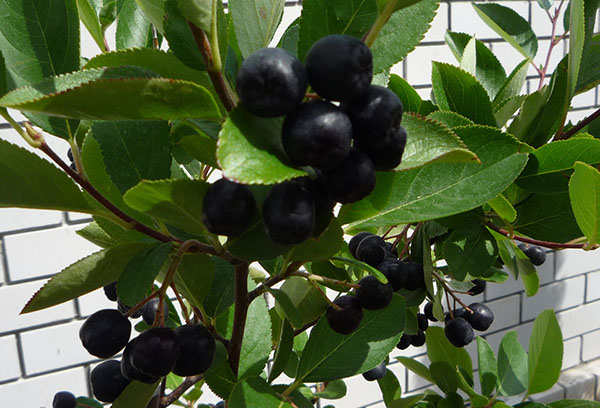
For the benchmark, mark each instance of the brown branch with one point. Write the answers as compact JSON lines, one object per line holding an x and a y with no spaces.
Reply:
{"x":545,"y":244}
{"x":306,"y":327}
{"x":184,"y":309}
{"x":239,"y":315}
{"x":579,"y":126}
{"x":180,"y":390}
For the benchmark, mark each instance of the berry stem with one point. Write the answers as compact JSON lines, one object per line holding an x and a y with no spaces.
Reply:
{"x":579,"y":126}
{"x":448,"y":290}
{"x":409,"y":240}
{"x":184,"y":309}
{"x":242,"y":301}
{"x":141,"y":303}
{"x":317,"y":278}
{"x":382,"y":18}
{"x":545,"y":244}
{"x":33,"y":142}
{"x":180,"y":390}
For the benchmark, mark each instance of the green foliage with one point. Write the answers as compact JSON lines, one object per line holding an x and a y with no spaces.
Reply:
{"x":584,"y":190}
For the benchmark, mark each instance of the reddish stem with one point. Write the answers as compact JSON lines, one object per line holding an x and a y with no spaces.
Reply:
{"x":545,"y":244}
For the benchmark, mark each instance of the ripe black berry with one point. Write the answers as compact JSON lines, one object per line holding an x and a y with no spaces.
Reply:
{"x":227,"y":208}
{"x":418,"y":339}
{"x":375,"y":117}
{"x":353,"y":244}
{"x":64,"y":399}
{"x":317,"y":134}
{"x":352,"y":180}
{"x":459,"y":332}
{"x":70,"y":154}
{"x":422,"y":321}
{"x":289,"y":214}
{"x":271,"y":82}
{"x":415,"y":278}
{"x":105,"y":333}
{"x":395,"y":272}
{"x":107,"y":381}
{"x":132,"y":373}
{"x":482,"y":317}
{"x":150,"y":309}
{"x":391,"y":251}
{"x":155,"y":351}
{"x":371,"y":250}
{"x":388,"y":156}
{"x":372,"y":294}
{"x":405,"y":341}
{"x":196,"y":352}
{"x":323,"y":203}
{"x":456,"y":313}
{"x":478,"y":287}
{"x":110,"y":291}
{"x":339,"y":67}
{"x":375,"y":373}
{"x":347,"y":319}
{"x":536,"y":255}
{"x":428,"y":311}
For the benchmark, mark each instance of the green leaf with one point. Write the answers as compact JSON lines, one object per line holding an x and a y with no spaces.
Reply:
{"x":283,"y":350}
{"x":577,"y":36}
{"x":180,"y":38}
{"x":176,"y":202}
{"x":503,"y":208}
{"x":509,"y":25}
{"x":133,"y":28}
{"x":114,"y":93}
{"x":304,"y":297}
{"x":411,"y":101}
{"x":429,"y":141}
{"x":136,"y":395}
{"x":514,"y":83}
{"x":450,"y":119}
{"x":255,"y":350}
{"x":488,"y":367}
{"x":335,"y":389}
{"x":505,"y":110}
{"x":440,"y":349}
{"x":441,"y":189}
{"x":194,"y":277}
{"x":390,"y":387}
{"x":194,"y":143}
{"x":85,"y":275}
{"x":329,"y":355}
{"x":31,"y":182}
{"x":154,"y":11}
{"x":458,"y":91}
{"x":254,"y":244}
{"x":136,"y":280}
{"x":362,"y":266}
{"x":322,"y":247}
{"x":569,"y":403}
{"x":90,"y":19}
{"x":444,"y":376}
{"x":250,"y":152}
{"x":402,"y":33}
{"x":395,"y":4}
{"x":198,"y":12}
{"x":96,"y":235}
{"x":88,"y":403}
{"x":512,"y":365}
{"x":221,"y":295}
{"x":478,"y":60}
{"x":545,"y":4}
{"x":255,"y":22}
{"x":219,"y":377}
{"x":255,"y":393}
{"x":545,"y":352}
{"x":470,"y":250}
{"x":412,"y":401}
{"x":289,"y":309}
{"x":589,"y":71}
{"x":518,"y":263}
{"x":584,"y":192}
{"x":416,"y":367}
{"x":457,"y":42}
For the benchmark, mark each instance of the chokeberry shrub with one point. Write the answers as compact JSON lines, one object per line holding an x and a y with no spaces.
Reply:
{"x":223,"y":169}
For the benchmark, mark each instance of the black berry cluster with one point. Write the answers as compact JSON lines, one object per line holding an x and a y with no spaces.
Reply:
{"x":536,"y":255}
{"x":459,"y":326}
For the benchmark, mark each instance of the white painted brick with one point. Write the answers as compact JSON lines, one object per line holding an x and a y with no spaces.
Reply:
{"x":289,"y":15}
{"x":558,"y":296}
{"x":540,"y":22}
{"x":53,"y":347}
{"x":1,"y":263}
{"x":585,"y":99}
{"x":571,"y":262}
{"x":13,"y":219}
{"x":593,"y":367}
{"x":419,"y":62}
{"x":591,"y":346}
{"x":78,"y":217}
{"x":523,"y":333}
{"x":9,"y":357}
{"x":577,"y":116}
{"x":509,"y":287}
{"x":578,"y":383}
{"x":572,"y":353}
{"x":39,"y":391}
{"x":506,"y":312}
{"x":14,"y":297}
{"x":425,"y":93}
{"x":439,"y":25}
{"x":557,"y":392}
{"x":55,"y":249}
{"x":59,"y":145}
{"x":546,"y":271}
{"x":465,"y":19}
{"x":575,"y":322}
{"x":94,"y":301}
{"x":557,"y":55}
{"x":507,"y":55}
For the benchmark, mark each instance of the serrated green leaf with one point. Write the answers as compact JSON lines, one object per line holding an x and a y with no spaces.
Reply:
{"x":85,"y":275}
{"x":290,"y":311}
{"x":589,"y":70}
{"x":470,"y":250}
{"x":390,"y":387}
{"x":394,"y":5}
{"x":576,"y":42}
{"x":255,"y":22}
{"x":503,"y":208}
{"x":136,"y":395}
{"x":412,"y":401}
{"x":441,"y":189}
{"x":250,"y":152}
{"x":154,"y":11}
{"x":330,"y":355}
{"x":198,"y":12}
{"x":512,"y":365}
{"x":194,"y":143}
{"x":584,"y":192}
{"x":457,"y":42}
{"x":180,"y":38}
{"x":133,"y":28}
{"x":570,"y":403}
{"x":219,"y":377}
{"x":194,"y":277}
{"x":429,"y":142}
{"x":285,"y":341}
{"x":176,"y":202}
{"x":335,"y":389}
{"x":29,"y":181}
{"x":545,"y":352}
{"x":90,"y":19}
{"x":255,"y":393}
{"x":361,"y":266}
{"x":322,"y":247}
{"x":513,"y":85}
{"x":411,"y":101}
{"x":255,"y":350}
{"x":221,"y":294}
{"x":478,"y":60}
{"x":416,"y":367}
{"x":440,"y":349}
{"x":96,"y":235}
{"x":444,"y":376}
{"x":518,"y":263}
{"x":509,"y":25}
{"x":305,"y":298}
{"x":505,"y":110}
{"x":88,"y":403}
{"x":488,"y":367}
{"x":450,"y":119}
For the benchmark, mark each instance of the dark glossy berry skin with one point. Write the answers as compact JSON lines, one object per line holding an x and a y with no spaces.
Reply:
{"x":110,"y":291}
{"x":317,"y":134}
{"x":323,"y":203}
{"x":124,"y":309}
{"x":418,"y":339}
{"x":155,"y":351}
{"x":353,"y":244}
{"x":395,"y":272}
{"x":482,"y":317}
{"x":339,"y":67}
{"x":352,"y":180}
{"x":375,"y":373}
{"x":456,"y":313}
{"x":459,"y":332}
{"x":64,"y":399}
{"x":227,"y":208}
{"x":107,"y":381}
{"x":388,"y":156}
{"x":372,"y":294}
{"x":105,"y":333}
{"x":150,"y":309}
{"x":196,"y":352}
{"x":423,"y":322}
{"x":536,"y":255}
{"x":220,"y":404}
{"x":70,"y":154}
{"x":376,"y":116}
{"x":391,"y":251}
{"x":371,"y":250}
{"x":289,"y":214}
{"x":415,"y":278}
{"x":478,"y":287}
{"x":132,"y":373}
{"x":428,"y":311}
{"x":271,"y":82}
{"x":346,"y":320}
{"x":405,"y":341}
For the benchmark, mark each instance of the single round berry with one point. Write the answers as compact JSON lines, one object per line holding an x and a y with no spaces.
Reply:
{"x":289,"y":214}
{"x":323,"y":203}
{"x":375,"y":117}
{"x":348,"y":318}
{"x":107,"y":381}
{"x":418,"y":339}
{"x":395,"y":272}
{"x":405,"y":341}
{"x":352,"y":180}
{"x":428,"y":311}
{"x":220,"y":404}
{"x":70,"y":154}
{"x":317,"y":134}
{"x":392,"y":250}
{"x":64,"y":399}
{"x":227,"y":208}
{"x":459,"y":332}
{"x":456,"y":313}
{"x":371,"y":250}
{"x":415,"y":277}
{"x":196,"y":352}
{"x":375,"y":373}
{"x":422,"y":321}
{"x":478,"y":287}
{"x":155,"y":351}
{"x":271,"y":82}
{"x":339,"y":67}
{"x":132,"y":373}
{"x":110,"y":291}
{"x":388,"y":156}
{"x":151,"y":308}
{"x":536,"y":255}
{"x":372,"y":294}
{"x":124,"y":309}
{"x":105,"y":333}
{"x":353,"y":244}
{"x":481,"y":318}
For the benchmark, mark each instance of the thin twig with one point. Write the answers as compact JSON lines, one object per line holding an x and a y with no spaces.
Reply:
{"x":273,"y":280}
{"x":239,"y":315}
{"x":409,"y":240}
{"x":545,"y":244}
{"x":184,"y":309}
{"x":305,"y":327}
{"x":579,"y":126}
{"x":448,"y":290}
{"x":180,"y":390}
